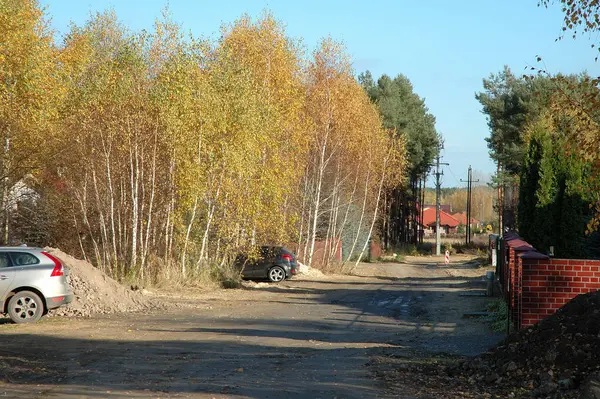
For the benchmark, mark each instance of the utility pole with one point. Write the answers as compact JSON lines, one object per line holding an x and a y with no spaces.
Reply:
{"x":422,"y":209}
{"x":470,"y":182}
{"x":438,"y":186}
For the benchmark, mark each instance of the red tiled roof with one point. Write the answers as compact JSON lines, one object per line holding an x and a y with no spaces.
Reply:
{"x":445,"y":218}
{"x":446,"y":208}
{"x":462,"y":218}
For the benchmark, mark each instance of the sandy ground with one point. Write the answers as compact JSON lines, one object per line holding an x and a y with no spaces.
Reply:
{"x":309,"y":337}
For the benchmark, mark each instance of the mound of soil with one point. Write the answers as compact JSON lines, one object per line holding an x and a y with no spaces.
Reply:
{"x":557,"y":358}
{"x":551,"y":359}
{"x":97,"y":293}
{"x":309,"y":271}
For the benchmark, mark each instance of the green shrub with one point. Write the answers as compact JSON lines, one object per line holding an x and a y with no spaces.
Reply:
{"x":411,"y":250}
{"x":425,"y":248}
{"x":448,"y":247}
{"x":499,"y":317}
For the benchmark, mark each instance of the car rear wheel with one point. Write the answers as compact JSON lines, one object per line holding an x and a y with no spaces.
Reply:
{"x":25,"y":307}
{"x":276,"y":274}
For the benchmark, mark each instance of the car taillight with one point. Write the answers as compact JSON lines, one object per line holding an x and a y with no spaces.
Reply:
{"x":58,"y":267}
{"x":287,"y":257}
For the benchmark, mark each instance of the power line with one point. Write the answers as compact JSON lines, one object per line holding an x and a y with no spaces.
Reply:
{"x":453,"y":175}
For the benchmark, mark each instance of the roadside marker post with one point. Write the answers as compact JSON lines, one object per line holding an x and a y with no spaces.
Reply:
{"x":447,"y":257}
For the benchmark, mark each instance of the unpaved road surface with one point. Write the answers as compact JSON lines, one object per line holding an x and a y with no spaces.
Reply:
{"x":304,"y":338}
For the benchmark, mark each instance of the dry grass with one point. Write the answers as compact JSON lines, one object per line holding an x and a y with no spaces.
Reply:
{"x":336,"y":267}
{"x":458,"y":239}
{"x":209,"y":275}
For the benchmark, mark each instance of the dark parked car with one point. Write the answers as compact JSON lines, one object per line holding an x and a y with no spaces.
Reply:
{"x":273,"y":263}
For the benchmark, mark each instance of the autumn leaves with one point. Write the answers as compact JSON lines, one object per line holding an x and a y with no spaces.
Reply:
{"x":166,"y":153}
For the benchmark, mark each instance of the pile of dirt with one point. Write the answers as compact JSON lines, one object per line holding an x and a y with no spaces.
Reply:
{"x":97,"y":293}
{"x":309,"y":271}
{"x":558,"y":357}
{"x":424,"y":375}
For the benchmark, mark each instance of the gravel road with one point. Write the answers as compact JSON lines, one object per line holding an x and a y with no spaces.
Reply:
{"x":304,"y":338}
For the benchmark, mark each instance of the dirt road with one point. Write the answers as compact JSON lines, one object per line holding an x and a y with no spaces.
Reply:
{"x":303,"y":338}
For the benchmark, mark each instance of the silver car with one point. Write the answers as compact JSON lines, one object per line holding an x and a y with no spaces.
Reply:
{"x":32,"y":282}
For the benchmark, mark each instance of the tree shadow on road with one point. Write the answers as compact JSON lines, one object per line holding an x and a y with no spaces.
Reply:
{"x":286,"y":352}
{"x":105,"y":368}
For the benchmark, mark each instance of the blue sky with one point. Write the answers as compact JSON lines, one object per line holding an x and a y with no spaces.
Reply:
{"x":444,"y":47}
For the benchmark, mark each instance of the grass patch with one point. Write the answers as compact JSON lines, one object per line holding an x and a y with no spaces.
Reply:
{"x":392,"y":258}
{"x":344,"y":268}
{"x":206,"y":275}
{"x":399,"y":253}
{"x":337,"y":267}
{"x":498,"y":320}
{"x":472,"y":248}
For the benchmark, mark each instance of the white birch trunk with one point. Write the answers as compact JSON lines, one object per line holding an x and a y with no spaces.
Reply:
{"x":360,"y":221}
{"x":317,"y":202}
{"x":134,"y":180}
{"x":187,"y":237}
{"x":362,"y":252}
{"x":103,"y":229}
{"x":150,"y":208}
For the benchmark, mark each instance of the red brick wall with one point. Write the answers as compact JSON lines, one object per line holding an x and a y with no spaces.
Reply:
{"x":515,"y":288}
{"x":511,"y":275}
{"x":512,"y":283}
{"x":548,"y":284}
{"x":376,"y":250}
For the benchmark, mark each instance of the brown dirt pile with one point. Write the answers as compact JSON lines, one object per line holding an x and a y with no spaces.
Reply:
{"x":557,"y":358}
{"x":554,"y":358}
{"x":97,"y":293}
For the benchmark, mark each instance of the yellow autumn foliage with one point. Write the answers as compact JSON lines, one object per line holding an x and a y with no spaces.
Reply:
{"x":167,"y":153}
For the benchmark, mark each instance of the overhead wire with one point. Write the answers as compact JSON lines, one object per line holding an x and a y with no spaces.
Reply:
{"x":453,"y":175}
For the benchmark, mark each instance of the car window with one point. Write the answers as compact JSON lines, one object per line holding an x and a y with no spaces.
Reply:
{"x":264,"y":252}
{"x":4,"y":260}
{"x":270,"y":252}
{"x":23,"y":259}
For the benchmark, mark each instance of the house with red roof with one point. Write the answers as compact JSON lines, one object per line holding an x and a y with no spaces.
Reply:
{"x":445,"y":208}
{"x":462,"y":218}
{"x":448,"y":223}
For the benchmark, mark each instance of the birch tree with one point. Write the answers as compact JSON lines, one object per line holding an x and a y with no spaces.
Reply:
{"x":165,"y":155}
